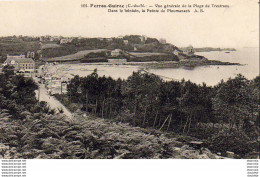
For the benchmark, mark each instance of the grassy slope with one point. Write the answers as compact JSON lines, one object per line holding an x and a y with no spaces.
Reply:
{"x":86,"y":137}
{"x":74,"y":56}
{"x":135,"y":142}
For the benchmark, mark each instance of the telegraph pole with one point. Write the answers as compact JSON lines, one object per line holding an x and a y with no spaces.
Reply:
{"x":39,"y":93}
{"x":61,"y":87}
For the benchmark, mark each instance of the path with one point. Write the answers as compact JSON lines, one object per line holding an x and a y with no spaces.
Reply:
{"x":43,"y":95}
{"x":52,"y":101}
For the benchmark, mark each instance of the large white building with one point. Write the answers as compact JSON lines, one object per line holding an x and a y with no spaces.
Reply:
{"x":21,"y":64}
{"x":116,"y":52}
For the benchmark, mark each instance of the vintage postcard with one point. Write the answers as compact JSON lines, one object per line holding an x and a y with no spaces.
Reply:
{"x":121,"y":79}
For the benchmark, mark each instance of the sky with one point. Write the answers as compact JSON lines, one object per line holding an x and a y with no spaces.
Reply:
{"x":237,"y":26}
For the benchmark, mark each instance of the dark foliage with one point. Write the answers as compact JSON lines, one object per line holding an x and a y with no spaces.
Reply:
{"x":145,"y":100}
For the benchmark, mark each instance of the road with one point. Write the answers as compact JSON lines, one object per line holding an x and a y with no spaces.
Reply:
{"x":52,"y":101}
{"x":43,"y":95}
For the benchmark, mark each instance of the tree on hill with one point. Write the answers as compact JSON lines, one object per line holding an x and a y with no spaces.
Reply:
{"x":8,"y":70}
{"x":234,"y":101}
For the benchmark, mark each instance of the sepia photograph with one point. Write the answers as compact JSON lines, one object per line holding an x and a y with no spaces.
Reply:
{"x":92,"y":79}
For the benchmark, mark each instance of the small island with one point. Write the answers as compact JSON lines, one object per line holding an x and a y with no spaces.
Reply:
{"x":211,"y":49}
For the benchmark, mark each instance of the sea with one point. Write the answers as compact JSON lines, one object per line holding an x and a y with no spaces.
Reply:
{"x":211,"y":75}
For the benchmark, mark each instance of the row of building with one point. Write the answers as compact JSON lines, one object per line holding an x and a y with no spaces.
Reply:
{"x":66,"y":40}
{"x":59,"y":39}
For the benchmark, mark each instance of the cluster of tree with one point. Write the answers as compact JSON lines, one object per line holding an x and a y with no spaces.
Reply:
{"x":18,"y":38}
{"x":168,"y":57}
{"x":17,"y":94}
{"x":146,"y":100}
{"x":16,"y":46}
{"x":82,"y":44}
{"x":92,"y":43}
{"x":59,"y":51}
{"x":96,"y":55}
{"x":136,"y":39}
{"x":97,"y":43}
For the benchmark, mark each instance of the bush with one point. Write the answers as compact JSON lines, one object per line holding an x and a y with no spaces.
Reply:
{"x":237,"y":142}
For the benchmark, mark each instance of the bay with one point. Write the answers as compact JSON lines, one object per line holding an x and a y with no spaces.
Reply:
{"x":211,"y":75}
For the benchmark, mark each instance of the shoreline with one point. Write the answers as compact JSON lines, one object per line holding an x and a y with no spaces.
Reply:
{"x":167,"y":64}
{"x":163,"y":64}
{"x":188,"y":64}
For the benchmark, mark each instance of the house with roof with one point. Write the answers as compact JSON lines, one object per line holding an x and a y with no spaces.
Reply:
{"x":116,"y":52}
{"x":66,"y":40}
{"x":109,"y":39}
{"x":162,"y":41}
{"x":143,"y":38}
{"x":177,"y":52}
{"x":21,"y":64}
{"x":125,"y":42}
{"x":189,"y":50}
{"x":55,"y":38}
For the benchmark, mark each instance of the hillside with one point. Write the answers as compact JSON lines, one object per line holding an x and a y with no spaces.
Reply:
{"x":75,"y":56}
{"x":15,"y":46}
{"x":95,"y":138}
{"x":135,"y":142}
{"x":127,"y":43}
{"x":31,"y":129}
